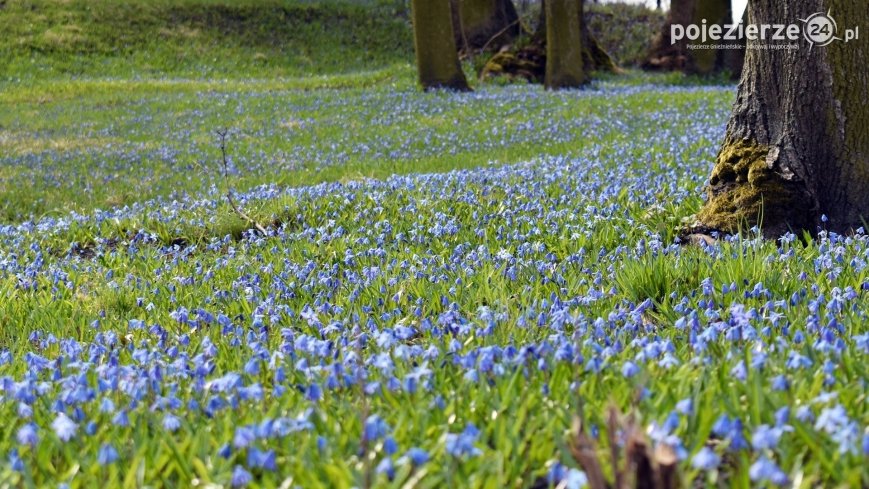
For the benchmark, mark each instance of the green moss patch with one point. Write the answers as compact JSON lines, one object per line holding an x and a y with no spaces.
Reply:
{"x":746,"y":190}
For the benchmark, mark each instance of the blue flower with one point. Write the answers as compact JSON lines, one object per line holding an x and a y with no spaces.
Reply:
{"x":313,"y":392}
{"x":261,"y":459}
{"x":416,"y":456}
{"x":629,"y":369}
{"x":764,"y":470}
{"x":575,"y":479}
{"x":252,"y":366}
{"x":706,"y":459}
{"x":121,"y":419}
{"x":25,"y":411}
{"x":567,"y":478}
{"x":375,"y":428}
{"x":171,"y":423}
{"x":240,"y":477}
{"x":244,"y":436}
{"x":782,"y":416}
{"x":722,"y":426}
{"x":107,"y":406}
{"x":804,"y":414}
{"x":106,"y":454}
{"x":64,"y":427}
{"x":835,"y":422}
{"x":462,"y":444}
{"x":780,"y":383}
{"x":15,"y":461}
{"x":390,"y":446}
{"x":225,"y":451}
{"x":386,"y":467}
{"x":27,"y":435}
{"x":765,"y":437}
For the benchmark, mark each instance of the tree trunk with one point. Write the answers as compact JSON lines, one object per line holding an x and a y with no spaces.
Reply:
{"x":666,"y":55}
{"x":797,"y":144}
{"x":594,"y":57}
{"x":484,"y":23}
{"x":708,"y":61}
{"x":530,"y":61}
{"x":436,"y":58}
{"x":734,"y":59}
{"x":564,"y":67}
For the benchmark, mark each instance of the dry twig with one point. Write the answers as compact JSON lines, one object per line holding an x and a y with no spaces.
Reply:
{"x":229,"y":198}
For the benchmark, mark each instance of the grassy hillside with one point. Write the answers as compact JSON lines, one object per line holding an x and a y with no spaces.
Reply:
{"x":241,"y":38}
{"x":200,"y":38}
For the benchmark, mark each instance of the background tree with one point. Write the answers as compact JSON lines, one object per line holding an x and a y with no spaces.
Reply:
{"x":530,"y":61}
{"x":436,"y":58}
{"x":484,"y":23}
{"x":666,"y":55}
{"x":797,"y":144}
{"x":594,"y":56}
{"x":564,"y":67}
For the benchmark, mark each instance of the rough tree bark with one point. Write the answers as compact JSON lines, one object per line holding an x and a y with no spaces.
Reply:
{"x":708,"y":61}
{"x":666,"y":55}
{"x":436,"y":57}
{"x":733,"y":60}
{"x":797,"y":144}
{"x":564,"y":66}
{"x":484,"y":23}
{"x":594,"y":57}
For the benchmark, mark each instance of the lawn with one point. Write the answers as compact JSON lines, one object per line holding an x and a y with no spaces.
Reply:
{"x":447,"y":281}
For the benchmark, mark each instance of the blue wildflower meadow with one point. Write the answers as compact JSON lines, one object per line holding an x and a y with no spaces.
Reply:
{"x":441,"y":325}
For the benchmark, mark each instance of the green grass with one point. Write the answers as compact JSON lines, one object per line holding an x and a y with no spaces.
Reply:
{"x":199,"y":38}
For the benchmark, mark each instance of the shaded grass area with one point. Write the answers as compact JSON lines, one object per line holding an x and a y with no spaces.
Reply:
{"x":199,"y":38}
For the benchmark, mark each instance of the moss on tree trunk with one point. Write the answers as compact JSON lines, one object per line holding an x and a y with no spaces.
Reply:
{"x":797,"y":144}
{"x":437,"y":61}
{"x":745,"y":190}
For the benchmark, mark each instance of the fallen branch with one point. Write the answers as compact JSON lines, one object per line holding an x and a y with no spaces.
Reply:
{"x":640,"y":467}
{"x":499,"y":33}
